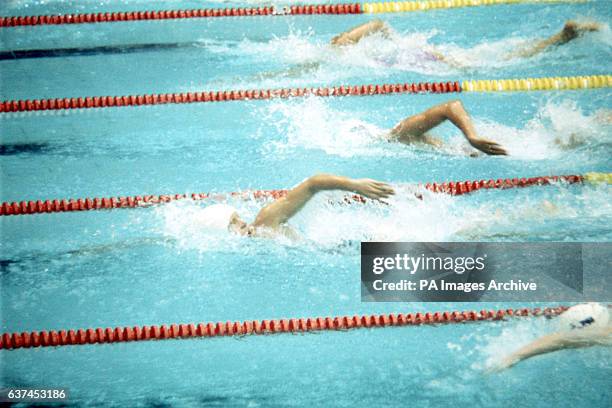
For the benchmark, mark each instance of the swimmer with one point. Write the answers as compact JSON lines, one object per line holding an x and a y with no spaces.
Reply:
{"x":571,"y":30}
{"x":414,"y":128}
{"x":584,"y":325}
{"x":356,"y":34}
{"x":272,"y":219}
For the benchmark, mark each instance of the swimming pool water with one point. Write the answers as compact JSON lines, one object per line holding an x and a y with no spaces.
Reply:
{"x":152,"y":266}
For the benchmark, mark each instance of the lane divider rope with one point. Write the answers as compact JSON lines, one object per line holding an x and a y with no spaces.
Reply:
{"x":494,"y":85}
{"x":330,"y":9}
{"x":53,"y":338}
{"x":454,"y":188}
{"x":538,"y":84}
{"x":424,"y":5}
{"x":221,"y":96}
{"x":85,"y":18}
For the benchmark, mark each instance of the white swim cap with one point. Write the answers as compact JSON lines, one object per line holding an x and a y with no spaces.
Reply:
{"x":586,"y":315}
{"x":214,"y":217}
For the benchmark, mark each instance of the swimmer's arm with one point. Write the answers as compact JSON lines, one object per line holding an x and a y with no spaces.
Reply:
{"x":570,"y":31}
{"x":537,"y":48}
{"x":418,"y":125}
{"x":354,"y":35}
{"x":281,"y":210}
{"x":444,"y":58}
{"x":291,"y":72}
{"x":555,"y":342}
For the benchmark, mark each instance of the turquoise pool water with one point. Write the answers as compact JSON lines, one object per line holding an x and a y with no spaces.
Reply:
{"x":153,"y":266}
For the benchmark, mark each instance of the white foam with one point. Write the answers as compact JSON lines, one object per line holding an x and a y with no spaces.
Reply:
{"x":558,"y":128}
{"x":176,"y":222}
{"x":493,"y":348}
{"x":488,"y":54}
{"x":311,"y":59}
{"x":305,"y":57}
{"x":438,"y":217}
{"x":534,"y":214}
{"x":312,"y":124}
{"x":297,"y":47}
{"x":406,"y":218}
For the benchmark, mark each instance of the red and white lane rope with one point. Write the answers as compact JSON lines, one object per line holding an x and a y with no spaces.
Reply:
{"x":332,"y":9}
{"x":111,"y":17}
{"x":453,"y":188}
{"x":490,"y":85}
{"x":90,"y":102}
{"x":74,"y":337}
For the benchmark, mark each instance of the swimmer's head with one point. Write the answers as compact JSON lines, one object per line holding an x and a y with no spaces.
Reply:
{"x":570,"y":30}
{"x":238,"y":226}
{"x":222,"y":217}
{"x":586,"y":315}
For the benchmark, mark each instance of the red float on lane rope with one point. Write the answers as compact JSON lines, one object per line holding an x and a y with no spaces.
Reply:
{"x":464,"y":187}
{"x":90,"y":102}
{"x":89,"y":18}
{"x":76,"y":337}
{"x":86,"y":204}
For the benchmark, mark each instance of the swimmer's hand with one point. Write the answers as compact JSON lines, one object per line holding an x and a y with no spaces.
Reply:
{"x":573,"y":29}
{"x":488,"y":146}
{"x":373,"y":189}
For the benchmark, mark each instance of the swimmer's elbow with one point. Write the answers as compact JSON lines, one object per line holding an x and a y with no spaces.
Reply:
{"x":455,"y":103}
{"x":454,"y":106}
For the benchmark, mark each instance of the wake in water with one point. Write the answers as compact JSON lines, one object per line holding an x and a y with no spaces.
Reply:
{"x":557,"y":129}
{"x":313,"y":124}
{"x":324,"y":224}
{"x":312,"y":58}
{"x":491,"y":349}
{"x":582,"y":326}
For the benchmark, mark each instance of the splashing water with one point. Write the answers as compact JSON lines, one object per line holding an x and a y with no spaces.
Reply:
{"x":295,"y":48}
{"x":406,"y":218}
{"x":491,"y":349}
{"x":541,"y":214}
{"x":305,"y":58}
{"x":180,"y":222}
{"x":558,"y":128}
{"x":312,"y":58}
{"x":489,"y":54}
{"x":312,"y":124}
{"x":409,"y":52}
{"x":326,"y":224}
